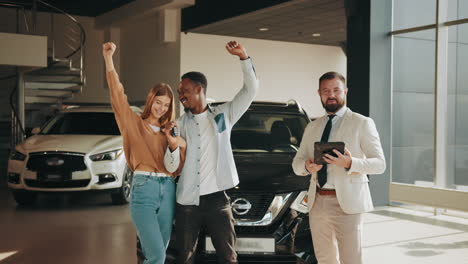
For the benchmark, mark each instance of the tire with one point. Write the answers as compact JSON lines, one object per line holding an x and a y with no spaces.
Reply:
{"x":140,"y":256}
{"x":122,"y":196}
{"x":24,"y":198}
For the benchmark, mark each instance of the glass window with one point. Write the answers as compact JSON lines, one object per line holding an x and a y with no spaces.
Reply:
{"x":413,"y":108}
{"x":413,"y":13}
{"x":457,"y":9}
{"x":268,"y":132}
{"x":82,"y":123}
{"x":457,"y":127}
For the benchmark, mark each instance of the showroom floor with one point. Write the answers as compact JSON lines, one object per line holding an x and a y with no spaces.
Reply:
{"x":66,"y":229}
{"x":88,"y":229}
{"x":405,"y":236}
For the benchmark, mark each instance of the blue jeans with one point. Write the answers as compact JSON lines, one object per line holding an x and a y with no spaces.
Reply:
{"x":152,"y":211}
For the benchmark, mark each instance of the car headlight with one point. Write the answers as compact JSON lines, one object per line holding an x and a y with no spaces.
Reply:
{"x":109,"y":155}
{"x":16,"y":155}
{"x":300,"y":204}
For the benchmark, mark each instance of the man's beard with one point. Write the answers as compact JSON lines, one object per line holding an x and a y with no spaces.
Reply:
{"x":333,"y":108}
{"x":186,"y":108}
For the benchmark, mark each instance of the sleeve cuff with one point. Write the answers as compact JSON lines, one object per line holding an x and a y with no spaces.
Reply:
{"x":246,"y":64}
{"x":353,"y":168}
{"x":172,"y":159}
{"x":174,"y":153}
{"x":248,"y":67}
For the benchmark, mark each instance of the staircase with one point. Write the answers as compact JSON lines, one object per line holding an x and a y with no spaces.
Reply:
{"x":51,"y":85}
{"x":36,"y":95}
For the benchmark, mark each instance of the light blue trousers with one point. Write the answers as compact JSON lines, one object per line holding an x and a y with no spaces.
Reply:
{"x":152,"y":210}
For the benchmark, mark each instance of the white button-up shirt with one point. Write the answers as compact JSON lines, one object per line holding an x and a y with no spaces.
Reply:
{"x":222,"y":118}
{"x":336,"y":121}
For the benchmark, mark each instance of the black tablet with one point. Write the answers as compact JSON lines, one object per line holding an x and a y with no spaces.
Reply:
{"x":322,"y":148}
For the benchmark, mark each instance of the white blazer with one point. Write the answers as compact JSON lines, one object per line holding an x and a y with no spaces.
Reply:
{"x":362,"y":139}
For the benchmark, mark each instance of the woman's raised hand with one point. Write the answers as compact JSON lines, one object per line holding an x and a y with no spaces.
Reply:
{"x":108,"y":49}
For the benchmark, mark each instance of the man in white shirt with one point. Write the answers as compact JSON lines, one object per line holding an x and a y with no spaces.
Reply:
{"x":339,"y":191}
{"x":209,"y":167}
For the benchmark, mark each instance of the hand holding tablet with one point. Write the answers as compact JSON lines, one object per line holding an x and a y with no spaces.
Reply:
{"x":322,"y":148}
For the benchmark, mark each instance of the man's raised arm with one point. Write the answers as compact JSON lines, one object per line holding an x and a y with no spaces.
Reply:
{"x":245,"y":96}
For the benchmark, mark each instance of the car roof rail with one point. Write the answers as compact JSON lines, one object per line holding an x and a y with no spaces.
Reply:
{"x":294,"y":102}
{"x":66,"y":107}
{"x":298,"y":105}
{"x":270,"y":103}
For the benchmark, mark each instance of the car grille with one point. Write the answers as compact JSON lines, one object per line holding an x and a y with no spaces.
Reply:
{"x":260,"y":203}
{"x":57,"y":184}
{"x":56,"y":162}
{"x":257,"y":230}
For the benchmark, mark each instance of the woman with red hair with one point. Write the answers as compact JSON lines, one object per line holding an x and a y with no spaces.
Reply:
{"x":154,"y":154}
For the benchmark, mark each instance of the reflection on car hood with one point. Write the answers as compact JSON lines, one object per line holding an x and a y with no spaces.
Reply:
{"x":72,"y":143}
{"x":268,"y":172}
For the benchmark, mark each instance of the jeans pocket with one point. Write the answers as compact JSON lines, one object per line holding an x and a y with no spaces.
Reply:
{"x":223,"y":201}
{"x":141,"y":190}
{"x":139,"y":180}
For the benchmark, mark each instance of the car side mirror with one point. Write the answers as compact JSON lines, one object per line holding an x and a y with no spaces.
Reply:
{"x":293,"y":140}
{"x":36,"y":130}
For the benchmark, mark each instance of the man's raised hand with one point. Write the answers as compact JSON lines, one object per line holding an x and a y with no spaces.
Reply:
{"x":235,"y":48}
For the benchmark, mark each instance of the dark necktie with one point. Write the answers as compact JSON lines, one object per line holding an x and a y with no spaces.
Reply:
{"x":322,"y":173}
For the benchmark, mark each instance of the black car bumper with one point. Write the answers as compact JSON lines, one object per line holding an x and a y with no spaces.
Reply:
{"x":291,"y":236}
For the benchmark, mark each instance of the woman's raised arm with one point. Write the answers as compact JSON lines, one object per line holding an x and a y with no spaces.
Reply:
{"x":119,"y":100}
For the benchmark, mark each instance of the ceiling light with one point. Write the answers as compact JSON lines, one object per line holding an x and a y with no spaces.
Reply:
{"x":316,"y":35}
{"x":263,"y":29}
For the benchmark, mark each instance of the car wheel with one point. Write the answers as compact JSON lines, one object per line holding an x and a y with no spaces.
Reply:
{"x":122,"y":196}
{"x":140,"y":256}
{"x":24,"y":198}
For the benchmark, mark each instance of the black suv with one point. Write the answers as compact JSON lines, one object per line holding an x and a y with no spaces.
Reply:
{"x":269,"y":204}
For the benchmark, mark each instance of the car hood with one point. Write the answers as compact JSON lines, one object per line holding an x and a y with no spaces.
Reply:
{"x":268,"y":172}
{"x":73,"y":143}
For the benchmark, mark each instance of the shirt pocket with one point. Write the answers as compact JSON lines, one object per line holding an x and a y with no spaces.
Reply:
{"x":220,"y":122}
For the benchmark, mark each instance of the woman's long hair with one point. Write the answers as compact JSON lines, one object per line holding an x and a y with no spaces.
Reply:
{"x":159,"y":89}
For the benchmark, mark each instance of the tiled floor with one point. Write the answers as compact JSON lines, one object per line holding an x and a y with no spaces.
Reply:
{"x":82,"y":229}
{"x":399,"y":235}
{"x":87,"y":229}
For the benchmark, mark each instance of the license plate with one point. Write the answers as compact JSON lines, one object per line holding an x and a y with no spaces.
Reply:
{"x":247,"y":245}
{"x":53,"y":177}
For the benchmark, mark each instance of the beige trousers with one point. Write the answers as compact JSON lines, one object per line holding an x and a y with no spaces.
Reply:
{"x":337,"y":236}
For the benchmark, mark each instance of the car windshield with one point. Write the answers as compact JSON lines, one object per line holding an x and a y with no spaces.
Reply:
{"x":268,"y":132}
{"x":82,"y":123}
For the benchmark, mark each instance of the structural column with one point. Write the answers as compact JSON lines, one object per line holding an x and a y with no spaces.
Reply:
{"x":358,"y":54}
{"x":20,"y":99}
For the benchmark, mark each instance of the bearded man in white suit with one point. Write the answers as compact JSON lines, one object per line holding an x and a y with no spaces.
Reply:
{"x":339,"y":191}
